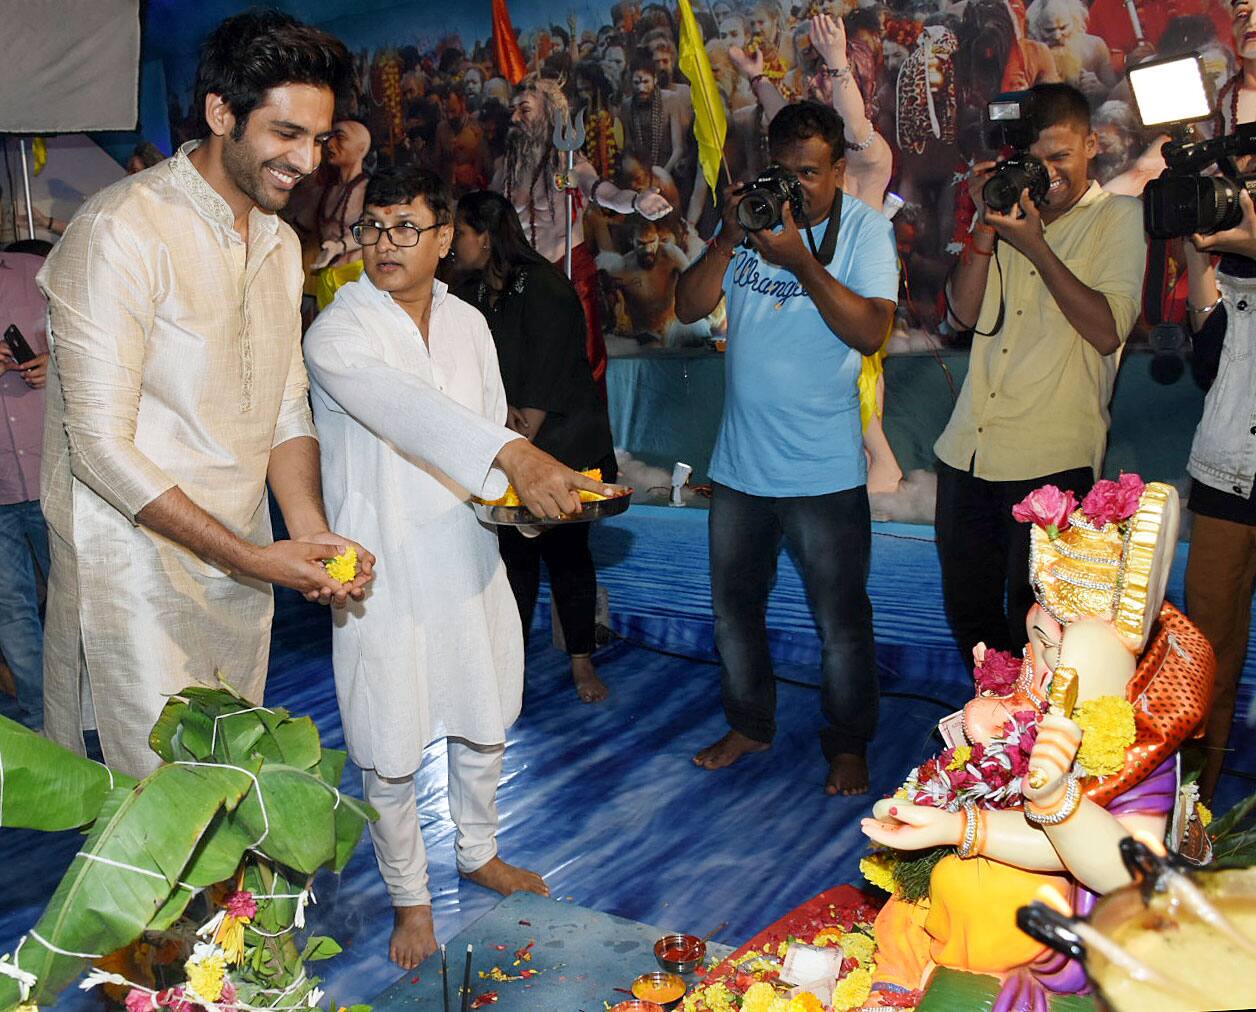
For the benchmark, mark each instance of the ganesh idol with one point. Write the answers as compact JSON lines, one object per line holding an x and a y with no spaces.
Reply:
{"x":1062,"y":753}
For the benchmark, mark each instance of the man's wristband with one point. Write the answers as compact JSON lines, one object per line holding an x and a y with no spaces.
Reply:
{"x":756,"y":79}
{"x":714,"y":244}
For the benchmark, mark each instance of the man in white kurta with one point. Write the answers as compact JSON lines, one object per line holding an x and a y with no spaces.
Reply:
{"x":410,"y":411}
{"x":176,"y":388}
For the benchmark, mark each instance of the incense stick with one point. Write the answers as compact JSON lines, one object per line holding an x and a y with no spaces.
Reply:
{"x":466,"y":982}
{"x":444,"y":976}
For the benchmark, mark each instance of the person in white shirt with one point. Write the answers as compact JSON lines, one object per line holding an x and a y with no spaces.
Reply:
{"x":411,"y":412}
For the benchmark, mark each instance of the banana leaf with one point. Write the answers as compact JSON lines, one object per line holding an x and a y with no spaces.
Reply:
{"x":300,"y":829}
{"x":46,"y":786}
{"x":99,"y":907}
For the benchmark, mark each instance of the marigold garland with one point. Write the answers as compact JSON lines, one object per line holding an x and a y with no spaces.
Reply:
{"x":1108,"y":731}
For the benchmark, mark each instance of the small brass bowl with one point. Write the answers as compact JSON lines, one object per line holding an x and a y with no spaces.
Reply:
{"x":680,"y":953}
{"x":664,"y":989}
{"x":635,"y":1005}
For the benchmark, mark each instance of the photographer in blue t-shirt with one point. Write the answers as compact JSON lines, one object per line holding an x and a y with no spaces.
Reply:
{"x":789,"y":460}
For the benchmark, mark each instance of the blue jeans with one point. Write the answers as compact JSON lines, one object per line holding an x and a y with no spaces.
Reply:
{"x":24,"y":543}
{"x":831,"y":538}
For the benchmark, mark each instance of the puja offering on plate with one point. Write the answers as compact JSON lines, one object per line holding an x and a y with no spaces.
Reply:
{"x":1060,"y":754}
{"x":509,"y":511}
{"x":663,"y":988}
{"x":754,"y":978}
{"x":511,"y":498}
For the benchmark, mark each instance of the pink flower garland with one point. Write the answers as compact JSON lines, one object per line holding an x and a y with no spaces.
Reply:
{"x":987,"y":775}
{"x":997,"y":673}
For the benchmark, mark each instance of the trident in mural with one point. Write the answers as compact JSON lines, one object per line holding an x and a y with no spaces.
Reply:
{"x":569,"y":138}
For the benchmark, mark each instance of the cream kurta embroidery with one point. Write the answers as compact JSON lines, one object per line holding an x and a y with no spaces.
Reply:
{"x":176,"y":360}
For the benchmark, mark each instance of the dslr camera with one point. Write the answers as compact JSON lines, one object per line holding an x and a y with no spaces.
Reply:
{"x":1010,"y":119}
{"x":763,"y":199}
{"x":1171,"y":95}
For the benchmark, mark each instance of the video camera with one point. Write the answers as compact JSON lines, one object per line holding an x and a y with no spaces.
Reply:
{"x":1011,"y":123}
{"x":1173,"y":94}
{"x":763,"y":199}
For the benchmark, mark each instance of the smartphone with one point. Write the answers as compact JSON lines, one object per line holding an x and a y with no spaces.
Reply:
{"x":17,"y":344}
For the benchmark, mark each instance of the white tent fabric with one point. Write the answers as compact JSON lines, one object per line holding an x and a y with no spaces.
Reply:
{"x":69,"y":65}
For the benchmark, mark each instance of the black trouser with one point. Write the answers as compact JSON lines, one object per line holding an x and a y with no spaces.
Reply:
{"x":831,"y":537}
{"x":984,"y":554}
{"x":573,"y":580}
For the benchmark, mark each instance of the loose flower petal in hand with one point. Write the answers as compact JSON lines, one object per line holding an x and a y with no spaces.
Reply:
{"x":1047,"y":507}
{"x":344,"y":567}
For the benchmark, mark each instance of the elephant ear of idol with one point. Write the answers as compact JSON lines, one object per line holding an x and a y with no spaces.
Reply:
{"x":237,"y":778}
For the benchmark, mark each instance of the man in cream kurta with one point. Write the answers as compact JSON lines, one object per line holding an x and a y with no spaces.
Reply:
{"x":410,"y":410}
{"x":176,"y":387}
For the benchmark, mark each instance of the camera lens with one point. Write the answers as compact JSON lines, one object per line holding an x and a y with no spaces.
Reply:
{"x":1001,"y":192}
{"x":757,"y":211}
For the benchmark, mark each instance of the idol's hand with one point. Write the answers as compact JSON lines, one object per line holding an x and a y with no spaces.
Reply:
{"x":905,"y":826}
{"x":1051,"y":760}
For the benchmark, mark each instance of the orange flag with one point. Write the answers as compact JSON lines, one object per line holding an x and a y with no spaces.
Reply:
{"x":505,"y":46}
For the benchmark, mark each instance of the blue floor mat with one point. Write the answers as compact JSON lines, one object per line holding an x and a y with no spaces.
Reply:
{"x":604,"y":800}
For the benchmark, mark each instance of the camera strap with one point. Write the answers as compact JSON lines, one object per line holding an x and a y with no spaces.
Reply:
{"x":828,"y":245}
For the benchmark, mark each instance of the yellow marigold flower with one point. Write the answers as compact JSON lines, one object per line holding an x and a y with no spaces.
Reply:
{"x":857,"y":945}
{"x":716,"y":998}
{"x":878,"y":868}
{"x":805,"y":1002}
{"x":206,"y":974}
{"x":902,"y":793}
{"x":344,"y":567}
{"x":852,"y":990}
{"x":1205,"y":816}
{"x":960,"y":759}
{"x":1107,"y":725}
{"x":828,"y":935}
{"x":758,"y":998}
{"x":230,"y":937}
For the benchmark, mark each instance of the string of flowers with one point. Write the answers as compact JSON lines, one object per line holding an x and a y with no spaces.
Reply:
{"x":988,"y":775}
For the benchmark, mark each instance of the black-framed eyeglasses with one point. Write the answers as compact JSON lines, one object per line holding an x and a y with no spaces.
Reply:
{"x":405,"y":233}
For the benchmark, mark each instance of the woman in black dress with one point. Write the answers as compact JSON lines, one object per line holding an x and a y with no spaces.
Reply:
{"x":538,"y":326}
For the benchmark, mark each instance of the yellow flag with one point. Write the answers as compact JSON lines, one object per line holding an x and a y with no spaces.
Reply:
{"x":40,"y":150}
{"x":709,"y":123}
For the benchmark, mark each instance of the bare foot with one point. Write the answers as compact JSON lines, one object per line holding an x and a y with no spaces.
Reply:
{"x":413,"y":936}
{"x":728,"y":750}
{"x":506,"y":878}
{"x":848,"y":774}
{"x":589,"y":687}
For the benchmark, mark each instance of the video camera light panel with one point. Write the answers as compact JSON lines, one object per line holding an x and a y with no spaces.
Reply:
{"x":1170,"y":91}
